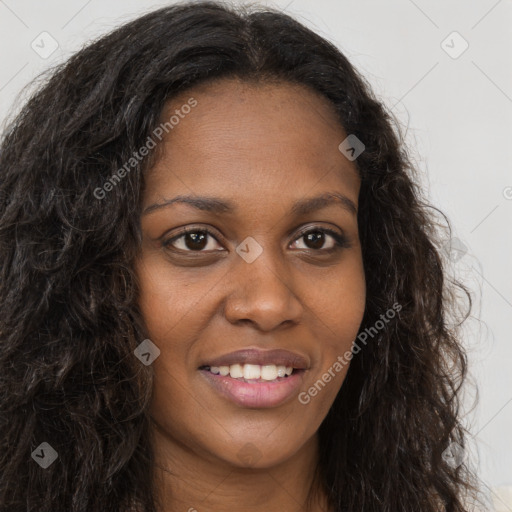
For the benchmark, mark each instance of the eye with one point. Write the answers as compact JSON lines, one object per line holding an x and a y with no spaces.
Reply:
{"x":192,"y":240}
{"x":203,"y":240}
{"x":314,"y":239}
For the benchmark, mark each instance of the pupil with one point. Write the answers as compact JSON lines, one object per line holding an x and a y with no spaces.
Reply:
{"x":317,"y":238}
{"x":198,"y":240}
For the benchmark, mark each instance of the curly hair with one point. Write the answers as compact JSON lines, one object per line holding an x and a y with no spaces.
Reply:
{"x":69,"y":319}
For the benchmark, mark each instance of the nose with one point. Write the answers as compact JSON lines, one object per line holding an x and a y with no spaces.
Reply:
{"x":262,"y":293}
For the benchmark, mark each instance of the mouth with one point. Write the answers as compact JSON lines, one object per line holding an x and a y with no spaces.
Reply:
{"x":256,"y":379}
{"x":252,"y":373}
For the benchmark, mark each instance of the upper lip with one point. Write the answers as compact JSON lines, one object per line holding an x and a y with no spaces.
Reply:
{"x":279,"y":357}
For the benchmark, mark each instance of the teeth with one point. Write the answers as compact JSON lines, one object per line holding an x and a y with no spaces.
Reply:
{"x":253,"y":371}
{"x":236,"y":371}
{"x":269,"y":372}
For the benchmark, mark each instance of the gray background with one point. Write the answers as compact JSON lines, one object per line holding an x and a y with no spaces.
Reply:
{"x":457,"y":107}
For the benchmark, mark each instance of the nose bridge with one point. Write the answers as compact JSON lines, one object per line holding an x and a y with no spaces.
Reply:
{"x":262,"y":290}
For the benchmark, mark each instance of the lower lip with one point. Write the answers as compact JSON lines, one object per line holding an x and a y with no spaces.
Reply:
{"x":257,"y":394}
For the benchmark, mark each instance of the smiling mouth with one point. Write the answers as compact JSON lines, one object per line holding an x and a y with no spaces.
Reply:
{"x":255,"y":378}
{"x":254,"y":393}
{"x":253,"y":373}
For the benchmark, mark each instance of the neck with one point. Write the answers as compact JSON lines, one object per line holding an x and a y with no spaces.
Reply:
{"x":188,"y":481}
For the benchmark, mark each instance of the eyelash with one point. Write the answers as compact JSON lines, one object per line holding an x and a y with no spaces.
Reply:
{"x":340,"y":240}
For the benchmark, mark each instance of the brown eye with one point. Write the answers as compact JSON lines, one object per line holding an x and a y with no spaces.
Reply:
{"x":203,"y":240}
{"x":316,"y":238}
{"x":192,"y":240}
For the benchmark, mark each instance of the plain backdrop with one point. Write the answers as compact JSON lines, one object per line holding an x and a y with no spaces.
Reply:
{"x":443,"y":69}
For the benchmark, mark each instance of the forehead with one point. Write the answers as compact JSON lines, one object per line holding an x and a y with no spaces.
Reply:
{"x":251,"y":139}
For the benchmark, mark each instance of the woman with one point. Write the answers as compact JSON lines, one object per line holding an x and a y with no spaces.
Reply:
{"x":220,"y":285}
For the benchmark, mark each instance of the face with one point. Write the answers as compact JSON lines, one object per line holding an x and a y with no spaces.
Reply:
{"x":266,"y":281}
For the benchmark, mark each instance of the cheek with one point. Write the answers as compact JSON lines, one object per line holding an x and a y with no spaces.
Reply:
{"x":341,"y":311}
{"x":166,"y":298}
{"x":166,"y":304}
{"x":178,"y":413}
{"x":338,"y":307}
{"x":339,"y":304}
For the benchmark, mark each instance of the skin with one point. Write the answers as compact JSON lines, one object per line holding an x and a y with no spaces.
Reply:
{"x":262,"y":146}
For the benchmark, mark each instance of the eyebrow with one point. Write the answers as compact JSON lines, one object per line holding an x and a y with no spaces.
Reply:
{"x":219,"y":206}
